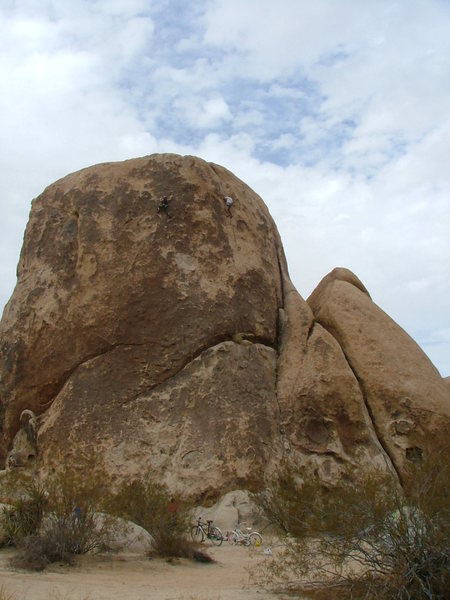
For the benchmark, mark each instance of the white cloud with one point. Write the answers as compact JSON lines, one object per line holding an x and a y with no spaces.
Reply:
{"x":275,"y":39}
{"x":335,"y":113}
{"x":285,"y":140}
{"x":216,"y":110}
{"x":201,"y":114}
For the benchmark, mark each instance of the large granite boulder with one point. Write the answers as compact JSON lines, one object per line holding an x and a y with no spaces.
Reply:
{"x":146,"y":336}
{"x":170,"y":340}
{"x":407,"y":400}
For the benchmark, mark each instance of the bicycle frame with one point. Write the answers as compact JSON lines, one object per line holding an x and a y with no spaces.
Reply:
{"x":210,"y":532}
{"x":237,"y":536}
{"x":206,"y":532}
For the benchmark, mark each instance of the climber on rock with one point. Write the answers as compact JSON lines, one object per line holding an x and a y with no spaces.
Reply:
{"x":229,"y":203}
{"x":164,"y":206}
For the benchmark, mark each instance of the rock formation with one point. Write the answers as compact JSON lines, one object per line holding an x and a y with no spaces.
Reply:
{"x":169,"y":339}
{"x":406,"y":397}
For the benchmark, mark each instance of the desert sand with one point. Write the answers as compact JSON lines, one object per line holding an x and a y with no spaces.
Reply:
{"x":135,"y":577}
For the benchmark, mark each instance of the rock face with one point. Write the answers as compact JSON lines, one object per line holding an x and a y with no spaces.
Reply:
{"x":406,"y":398}
{"x":172,"y":341}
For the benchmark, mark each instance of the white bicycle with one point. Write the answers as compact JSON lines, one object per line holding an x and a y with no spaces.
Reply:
{"x":245,"y":538}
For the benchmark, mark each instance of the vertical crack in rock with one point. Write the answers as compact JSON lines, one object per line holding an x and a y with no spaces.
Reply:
{"x":278,"y":342}
{"x":368,"y":414}
{"x":371,"y":422}
{"x":78,"y":252}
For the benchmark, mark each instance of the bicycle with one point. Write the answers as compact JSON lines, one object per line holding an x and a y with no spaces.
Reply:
{"x":249,"y":538}
{"x":213,"y":533}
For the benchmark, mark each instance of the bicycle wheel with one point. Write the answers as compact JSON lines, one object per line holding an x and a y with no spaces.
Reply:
{"x":232,"y":538}
{"x":197,"y":534}
{"x":216,"y":536}
{"x":255,"y":540}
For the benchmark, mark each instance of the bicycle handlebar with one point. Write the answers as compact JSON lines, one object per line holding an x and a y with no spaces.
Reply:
{"x":199,"y":520}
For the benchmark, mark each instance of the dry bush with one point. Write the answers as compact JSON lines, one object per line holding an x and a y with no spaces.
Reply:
{"x":72,"y":522}
{"x":59,"y":518}
{"x":33,"y":554}
{"x":365,"y":539}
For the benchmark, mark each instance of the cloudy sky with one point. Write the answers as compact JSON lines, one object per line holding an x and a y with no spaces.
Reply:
{"x":337,"y":112}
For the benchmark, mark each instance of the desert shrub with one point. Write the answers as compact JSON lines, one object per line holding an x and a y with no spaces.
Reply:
{"x":33,"y":554}
{"x":72,"y":524}
{"x":59,"y":518}
{"x":149,"y":505}
{"x":23,"y":516}
{"x":363,"y":539}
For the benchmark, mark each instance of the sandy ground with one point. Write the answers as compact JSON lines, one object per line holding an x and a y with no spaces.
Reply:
{"x":135,"y":577}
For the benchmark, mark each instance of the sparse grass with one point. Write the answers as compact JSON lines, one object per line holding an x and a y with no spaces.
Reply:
{"x":5,"y":595}
{"x":58,"y":595}
{"x":53,"y":595}
{"x":199,"y":597}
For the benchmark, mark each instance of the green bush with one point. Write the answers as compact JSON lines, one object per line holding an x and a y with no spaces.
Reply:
{"x":150,"y":506}
{"x":24,"y":515}
{"x":364,"y":539}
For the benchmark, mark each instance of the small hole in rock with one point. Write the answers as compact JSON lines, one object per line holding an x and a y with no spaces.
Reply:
{"x":414,"y":454}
